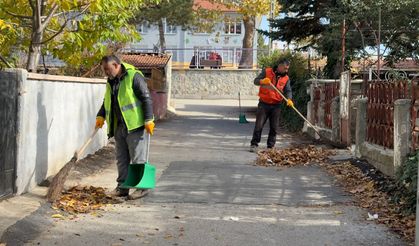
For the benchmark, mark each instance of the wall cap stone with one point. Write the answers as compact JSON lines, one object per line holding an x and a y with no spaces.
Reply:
{"x":65,"y":79}
{"x":402,"y":101}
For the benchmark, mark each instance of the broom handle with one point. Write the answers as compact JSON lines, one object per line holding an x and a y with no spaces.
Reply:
{"x":240,"y":104}
{"x":296,"y":110}
{"x":148,"y":147}
{"x":86,"y":144}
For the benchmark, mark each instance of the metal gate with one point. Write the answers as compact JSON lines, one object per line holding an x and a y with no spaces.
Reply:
{"x":8,"y":131}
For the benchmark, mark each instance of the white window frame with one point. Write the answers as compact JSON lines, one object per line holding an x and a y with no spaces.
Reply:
{"x":172,"y":30}
{"x":233,"y":23}
{"x":143,"y":28}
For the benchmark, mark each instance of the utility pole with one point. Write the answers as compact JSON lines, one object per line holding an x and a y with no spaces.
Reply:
{"x":271,"y":16}
{"x":379,"y":44}
{"x":342,"y":66}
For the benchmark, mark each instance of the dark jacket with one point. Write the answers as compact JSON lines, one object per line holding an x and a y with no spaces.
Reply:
{"x":287,"y":88}
{"x":141,"y":91}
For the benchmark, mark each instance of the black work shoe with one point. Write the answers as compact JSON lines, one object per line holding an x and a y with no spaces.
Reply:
{"x":253,"y":148}
{"x":119,"y":192}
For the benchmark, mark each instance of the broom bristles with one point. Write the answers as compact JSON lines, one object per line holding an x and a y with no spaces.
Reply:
{"x":57,"y":183}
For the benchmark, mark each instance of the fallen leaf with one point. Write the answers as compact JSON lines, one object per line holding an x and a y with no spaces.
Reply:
{"x":58,"y":216}
{"x":83,"y":199}
{"x":368,"y":195}
{"x":296,"y":155}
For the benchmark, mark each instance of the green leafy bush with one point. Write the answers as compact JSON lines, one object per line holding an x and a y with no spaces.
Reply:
{"x":298,"y":74}
{"x":406,"y":181}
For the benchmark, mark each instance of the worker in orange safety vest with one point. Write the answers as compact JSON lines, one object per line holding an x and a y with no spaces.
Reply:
{"x":270,"y":101}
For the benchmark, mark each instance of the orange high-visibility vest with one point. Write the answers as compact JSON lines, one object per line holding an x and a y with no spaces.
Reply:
{"x":267,"y":94}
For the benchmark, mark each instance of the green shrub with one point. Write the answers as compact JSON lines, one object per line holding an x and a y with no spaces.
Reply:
{"x":406,"y":182}
{"x":298,"y":74}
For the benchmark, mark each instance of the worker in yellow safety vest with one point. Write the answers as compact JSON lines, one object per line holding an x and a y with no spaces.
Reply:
{"x":128,"y":112}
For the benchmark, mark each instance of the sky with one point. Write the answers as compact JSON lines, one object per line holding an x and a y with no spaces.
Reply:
{"x":264,"y":25}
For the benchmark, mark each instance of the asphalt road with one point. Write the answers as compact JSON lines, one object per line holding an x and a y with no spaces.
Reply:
{"x":210,"y":192}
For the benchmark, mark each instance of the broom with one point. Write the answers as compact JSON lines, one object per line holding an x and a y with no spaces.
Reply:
{"x":57,"y":183}
{"x":337,"y":145}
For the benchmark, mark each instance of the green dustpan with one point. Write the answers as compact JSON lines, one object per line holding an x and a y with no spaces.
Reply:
{"x":141,"y":176}
{"x":242,"y":119}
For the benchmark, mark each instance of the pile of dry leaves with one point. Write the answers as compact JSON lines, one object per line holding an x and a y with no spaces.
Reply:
{"x":369,"y":197}
{"x":298,"y":155}
{"x":81,"y":199}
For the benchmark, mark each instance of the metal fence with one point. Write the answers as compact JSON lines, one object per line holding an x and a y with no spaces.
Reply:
{"x":380,"y":110}
{"x":323,"y":94}
{"x":209,"y":57}
{"x":414,"y":112}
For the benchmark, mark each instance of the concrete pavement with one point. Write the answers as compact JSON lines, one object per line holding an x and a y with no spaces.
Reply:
{"x":210,"y":193}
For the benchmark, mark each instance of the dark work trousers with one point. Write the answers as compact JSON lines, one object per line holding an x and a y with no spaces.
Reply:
{"x":265,"y":112}
{"x":129,"y":148}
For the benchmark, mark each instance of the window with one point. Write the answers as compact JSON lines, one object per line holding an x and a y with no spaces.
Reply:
{"x":170,"y":29}
{"x":142,"y":28}
{"x":233,"y":26}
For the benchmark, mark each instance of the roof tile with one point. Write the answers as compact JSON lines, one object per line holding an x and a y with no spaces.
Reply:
{"x":146,"y":60}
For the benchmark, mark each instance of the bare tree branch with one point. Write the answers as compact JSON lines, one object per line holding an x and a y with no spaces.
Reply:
{"x":93,"y":69}
{"x":63,"y":25}
{"x":70,"y":11}
{"x":17,"y":15}
{"x":38,"y":14}
{"x":49,"y":16}
{"x":5,"y":61}
{"x":55,"y":34}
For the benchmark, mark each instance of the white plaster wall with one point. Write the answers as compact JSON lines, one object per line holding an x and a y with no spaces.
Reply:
{"x":55,"y":119}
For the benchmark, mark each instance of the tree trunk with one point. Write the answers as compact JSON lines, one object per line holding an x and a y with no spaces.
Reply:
{"x":246,"y":60}
{"x":36,"y":36}
{"x":161,"y":36}
{"x":34,"y":52}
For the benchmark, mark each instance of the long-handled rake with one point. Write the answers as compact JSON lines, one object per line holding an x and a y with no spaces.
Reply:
{"x":337,"y":145}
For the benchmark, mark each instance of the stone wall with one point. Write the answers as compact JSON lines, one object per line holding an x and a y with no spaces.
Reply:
{"x":214,"y":83}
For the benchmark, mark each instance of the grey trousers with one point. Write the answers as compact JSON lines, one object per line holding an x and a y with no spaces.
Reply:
{"x":130,"y":148}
